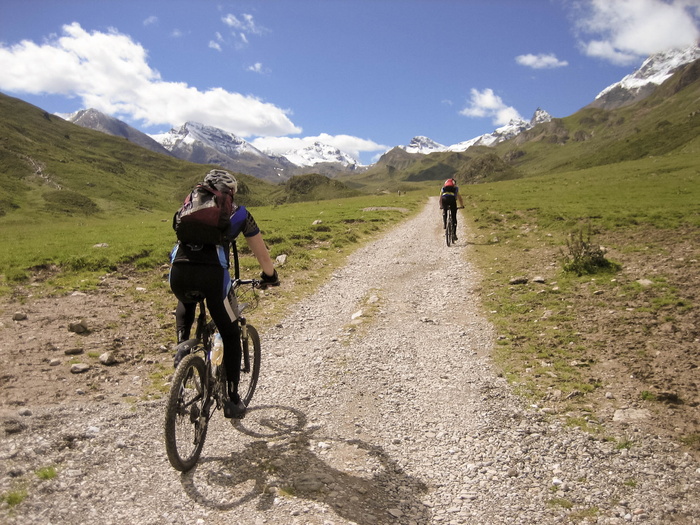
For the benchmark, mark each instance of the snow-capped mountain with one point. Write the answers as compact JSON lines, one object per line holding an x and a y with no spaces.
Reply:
{"x":652,"y":73}
{"x":190,"y":134}
{"x":202,"y":144}
{"x":507,"y":132}
{"x":193,"y":137}
{"x":513,"y":128}
{"x":94,"y":119}
{"x":423,"y":145}
{"x":319,"y":153}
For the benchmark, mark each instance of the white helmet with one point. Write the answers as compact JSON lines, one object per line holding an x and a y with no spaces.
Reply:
{"x":221,"y":180}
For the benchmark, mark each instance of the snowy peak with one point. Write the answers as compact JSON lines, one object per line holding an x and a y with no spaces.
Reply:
{"x":653,"y":72}
{"x":423,"y":145}
{"x":318,"y":153}
{"x":507,"y":132}
{"x":540,"y":117}
{"x":191,"y":133}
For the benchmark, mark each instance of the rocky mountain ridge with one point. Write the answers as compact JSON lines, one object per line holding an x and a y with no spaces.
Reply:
{"x":203,"y":144}
{"x":652,"y":73}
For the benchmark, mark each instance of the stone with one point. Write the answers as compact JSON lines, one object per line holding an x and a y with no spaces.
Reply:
{"x":630,"y":414}
{"x":79,"y":327}
{"x":79,"y":368}
{"x":108,"y":358}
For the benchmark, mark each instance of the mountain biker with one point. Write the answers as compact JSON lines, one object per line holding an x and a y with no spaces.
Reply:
{"x":204,"y":269}
{"x":449,"y":195}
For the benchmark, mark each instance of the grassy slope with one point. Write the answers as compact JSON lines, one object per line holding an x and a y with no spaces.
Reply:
{"x":51,"y":168}
{"x":634,"y":185}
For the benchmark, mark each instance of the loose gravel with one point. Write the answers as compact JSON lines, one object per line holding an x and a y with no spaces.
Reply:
{"x":378,"y":404}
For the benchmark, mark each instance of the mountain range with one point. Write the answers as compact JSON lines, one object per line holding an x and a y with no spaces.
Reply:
{"x":203,"y":144}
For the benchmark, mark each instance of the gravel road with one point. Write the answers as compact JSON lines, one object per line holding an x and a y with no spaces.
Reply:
{"x":378,"y":403}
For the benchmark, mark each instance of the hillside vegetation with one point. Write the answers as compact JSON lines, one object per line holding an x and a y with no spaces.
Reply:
{"x":50,"y":167}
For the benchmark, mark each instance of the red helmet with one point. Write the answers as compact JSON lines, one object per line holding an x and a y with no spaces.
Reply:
{"x":449,"y":182}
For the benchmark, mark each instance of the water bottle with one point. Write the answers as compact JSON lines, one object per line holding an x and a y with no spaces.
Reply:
{"x":217,"y":351}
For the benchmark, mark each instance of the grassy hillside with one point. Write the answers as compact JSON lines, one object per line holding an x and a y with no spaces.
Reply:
{"x":311,"y":187}
{"x":665,"y":122}
{"x":52,"y":168}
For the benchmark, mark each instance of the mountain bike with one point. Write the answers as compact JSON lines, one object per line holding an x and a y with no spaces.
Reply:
{"x":199,"y":386}
{"x":450,"y":228}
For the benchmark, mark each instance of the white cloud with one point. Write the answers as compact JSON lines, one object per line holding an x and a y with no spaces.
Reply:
{"x":487,"y":104}
{"x":245,"y":25}
{"x":110,"y":73}
{"x":540,"y":61}
{"x":214,"y":45}
{"x":257,"y":68}
{"x":349,"y":144}
{"x":624,"y":31}
{"x":150,"y":20}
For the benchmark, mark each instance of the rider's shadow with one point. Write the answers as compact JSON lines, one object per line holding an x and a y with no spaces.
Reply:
{"x":356,"y":480}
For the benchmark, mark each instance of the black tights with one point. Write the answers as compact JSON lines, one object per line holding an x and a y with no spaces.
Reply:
{"x":451,"y":203}
{"x":212,"y":283}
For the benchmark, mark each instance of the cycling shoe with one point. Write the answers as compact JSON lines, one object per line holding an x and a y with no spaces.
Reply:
{"x":234,"y":410}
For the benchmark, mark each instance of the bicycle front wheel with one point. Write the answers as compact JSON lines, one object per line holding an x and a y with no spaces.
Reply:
{"x":250,"y":365}
{"x":449,"y":230}
{"x":187,"y":414}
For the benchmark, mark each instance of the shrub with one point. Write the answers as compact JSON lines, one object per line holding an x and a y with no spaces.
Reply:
{"x":584,"y":257}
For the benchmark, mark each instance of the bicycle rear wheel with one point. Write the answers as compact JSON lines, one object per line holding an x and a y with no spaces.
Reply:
{"x":187,"y":414}
{"x":250,"y":365}
{"x":449,"y":230}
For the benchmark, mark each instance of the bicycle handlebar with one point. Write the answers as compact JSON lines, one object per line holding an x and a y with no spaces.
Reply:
{"x":256,"y":283}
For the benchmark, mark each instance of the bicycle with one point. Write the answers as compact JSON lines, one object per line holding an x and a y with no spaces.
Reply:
{"x":450,"y":227}
{"x":199,"y":385}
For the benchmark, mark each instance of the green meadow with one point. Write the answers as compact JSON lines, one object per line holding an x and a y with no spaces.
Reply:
{"x":557,"y":336}
{"x":72,"y":252}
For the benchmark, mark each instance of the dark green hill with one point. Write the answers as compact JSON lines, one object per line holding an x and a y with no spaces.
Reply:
{"x":52,"y":167}
{"x":311,"y":187}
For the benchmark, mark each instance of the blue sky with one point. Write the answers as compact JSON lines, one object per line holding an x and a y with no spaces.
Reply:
{"x":363,"y":75}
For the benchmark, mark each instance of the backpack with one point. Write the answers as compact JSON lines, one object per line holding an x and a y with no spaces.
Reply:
{"x":204,"y":217}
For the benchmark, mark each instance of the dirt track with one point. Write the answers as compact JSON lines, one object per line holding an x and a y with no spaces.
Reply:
{"x":377,"y":404}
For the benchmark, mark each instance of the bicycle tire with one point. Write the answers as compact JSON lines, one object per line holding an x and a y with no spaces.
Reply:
{"x":251,"y":356}
{"x":449,"y":230}
{"x":186,"y":414}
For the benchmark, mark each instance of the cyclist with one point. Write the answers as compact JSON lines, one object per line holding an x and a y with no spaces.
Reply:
{"x":204,"y":269}
{"x":449,"y":195}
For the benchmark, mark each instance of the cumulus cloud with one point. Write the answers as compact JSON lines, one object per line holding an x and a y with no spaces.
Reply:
{"x":624,"y":31}
{"x":486,"y":104}
{"x":150,"y":20}
{"x":349,"y":144}
{"x":540,"y":61}
{"x":108,"y":71}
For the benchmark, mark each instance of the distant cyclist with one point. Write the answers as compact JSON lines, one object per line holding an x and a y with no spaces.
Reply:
{"x":204,"y":269}
{"x":449,"y":195}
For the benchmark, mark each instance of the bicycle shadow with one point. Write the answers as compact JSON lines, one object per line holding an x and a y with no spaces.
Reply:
{"x":356,"y":480}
